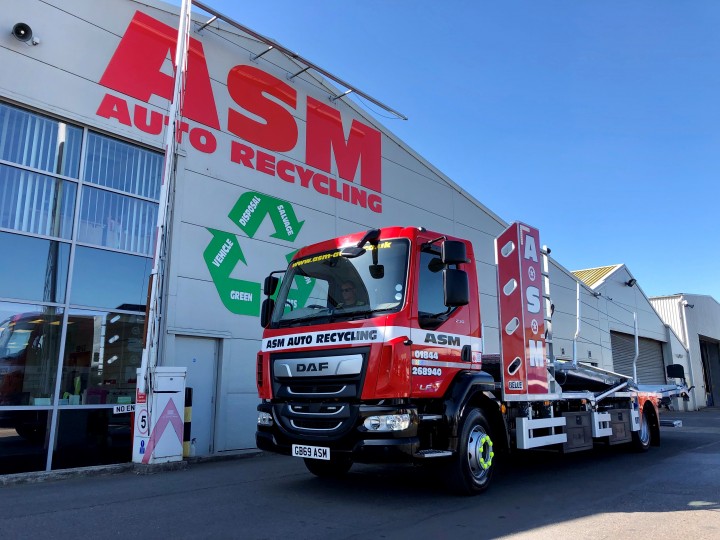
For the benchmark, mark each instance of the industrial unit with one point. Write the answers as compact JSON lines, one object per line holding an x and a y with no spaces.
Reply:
{"x":271,"y":156}
{"x":696,"y":319}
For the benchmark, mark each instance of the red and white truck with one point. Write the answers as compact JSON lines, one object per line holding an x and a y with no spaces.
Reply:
{"x":372,"y":352}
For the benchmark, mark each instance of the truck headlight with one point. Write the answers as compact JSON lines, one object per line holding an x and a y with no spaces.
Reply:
{"x":264,"y":419}
{"x":387,"y":422}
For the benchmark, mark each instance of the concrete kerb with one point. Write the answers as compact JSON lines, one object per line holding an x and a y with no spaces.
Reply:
{"x":689,"y":418}
{"x":48,"y":476}
{"x":119,"y":468}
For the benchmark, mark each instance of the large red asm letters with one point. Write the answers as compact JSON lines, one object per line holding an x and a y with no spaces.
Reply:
{"x":136,"y":70}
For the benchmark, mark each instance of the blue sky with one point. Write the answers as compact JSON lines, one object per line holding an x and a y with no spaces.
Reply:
{"x":597,"y":122}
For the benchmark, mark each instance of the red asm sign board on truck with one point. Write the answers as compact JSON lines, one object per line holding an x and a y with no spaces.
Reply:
{"x":522,"y":325}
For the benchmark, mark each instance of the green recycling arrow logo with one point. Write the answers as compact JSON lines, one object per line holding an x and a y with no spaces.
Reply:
{"x":223,"y":253}
{"x":250,"y":211}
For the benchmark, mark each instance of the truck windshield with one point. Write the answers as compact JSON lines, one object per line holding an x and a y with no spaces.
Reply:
{"x":326,"y":286}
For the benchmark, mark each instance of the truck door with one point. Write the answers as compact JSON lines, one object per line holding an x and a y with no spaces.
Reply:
{"x":441,"y":332}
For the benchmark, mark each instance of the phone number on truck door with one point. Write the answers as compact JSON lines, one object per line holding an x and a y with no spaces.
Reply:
{"x":421,"y":370}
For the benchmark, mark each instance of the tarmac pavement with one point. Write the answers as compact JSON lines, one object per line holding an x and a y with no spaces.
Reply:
{"x":672,"y":491}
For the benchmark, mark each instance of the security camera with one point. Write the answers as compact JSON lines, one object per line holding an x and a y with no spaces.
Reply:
{"x":23,"y":32}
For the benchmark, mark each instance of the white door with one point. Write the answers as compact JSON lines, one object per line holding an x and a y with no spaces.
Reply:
{"x":199,"y":355}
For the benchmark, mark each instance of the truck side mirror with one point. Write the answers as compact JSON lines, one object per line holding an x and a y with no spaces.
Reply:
{"x":266,"y":310}
{"x":454,"y":252}
{"x":456,"y":287}
{"x":675,"y":371}
{"x":270,"y":285}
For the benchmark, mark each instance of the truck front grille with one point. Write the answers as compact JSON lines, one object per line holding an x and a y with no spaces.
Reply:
{"x":313,"y":394}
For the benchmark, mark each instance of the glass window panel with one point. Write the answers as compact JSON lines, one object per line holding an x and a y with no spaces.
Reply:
{"x":87,"y":437}
{"x":110,"y":280}
{"x":122,"y":166}
{"x":29,"y":346}
{"x":102,"y":353}
{"x":22,"y":441}
{"x":40,"y":142}
{"x":36,"y":203}
{"x":33,"y":268}
{"x":431,"y":300}
{"x":117,"y":221}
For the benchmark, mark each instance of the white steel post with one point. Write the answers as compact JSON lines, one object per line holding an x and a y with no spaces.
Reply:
{"x":637,"y":348}
{"x":693,"y":396}
{"x":577,"y":327}
{"x":150,"y":351}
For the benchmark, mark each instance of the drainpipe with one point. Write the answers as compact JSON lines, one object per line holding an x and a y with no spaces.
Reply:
{"x":683,"y":306}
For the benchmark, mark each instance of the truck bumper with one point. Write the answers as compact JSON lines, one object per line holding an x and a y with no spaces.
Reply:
{"x":357,"y":442}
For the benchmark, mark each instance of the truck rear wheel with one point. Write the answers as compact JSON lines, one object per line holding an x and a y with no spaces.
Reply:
{"x":336,"y":466}
{"x":641,"y":439}
{"x":472,"y":468}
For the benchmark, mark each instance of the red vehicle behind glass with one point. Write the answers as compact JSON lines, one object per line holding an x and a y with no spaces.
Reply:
{"x":372,"y":352}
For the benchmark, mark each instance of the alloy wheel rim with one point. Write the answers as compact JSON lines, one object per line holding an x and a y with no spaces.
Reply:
{"x":480,"y":453}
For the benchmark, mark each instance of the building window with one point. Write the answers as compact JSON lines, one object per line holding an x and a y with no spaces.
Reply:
{"x":33,"y":269}
{"x":117,"y":221}
{"x":114,"y":164}
{"x":39,"y":142}
{"x":90,"y":436}
{"x":29,"y":346}
{"x":110,"y":280}
{"x":102,"y":354}
{"x":36,"y":203}
{"x":78,"y":212}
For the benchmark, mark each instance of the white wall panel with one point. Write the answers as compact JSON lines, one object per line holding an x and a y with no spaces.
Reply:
{"x":207,"y":314}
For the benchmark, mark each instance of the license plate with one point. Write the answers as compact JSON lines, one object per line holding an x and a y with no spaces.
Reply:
{"x":311,"y":452}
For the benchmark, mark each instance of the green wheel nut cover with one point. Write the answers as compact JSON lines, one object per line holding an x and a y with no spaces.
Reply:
{"x":481,"y":448}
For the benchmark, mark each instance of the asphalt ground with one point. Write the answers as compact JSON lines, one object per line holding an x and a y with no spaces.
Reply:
{"x":672,"y":491}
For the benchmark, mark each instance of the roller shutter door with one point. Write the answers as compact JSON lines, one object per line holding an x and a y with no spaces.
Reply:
{"x":650,"y":365}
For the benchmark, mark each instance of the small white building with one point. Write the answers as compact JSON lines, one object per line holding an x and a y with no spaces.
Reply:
{"x":696,"y":319}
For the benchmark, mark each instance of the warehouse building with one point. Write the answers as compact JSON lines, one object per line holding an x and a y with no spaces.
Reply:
{"x":696,"y":319}
{"x":271,"y":158}
{"x":622,"y":302}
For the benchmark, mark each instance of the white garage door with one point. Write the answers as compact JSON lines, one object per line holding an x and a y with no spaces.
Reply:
{"x":650,"y":365}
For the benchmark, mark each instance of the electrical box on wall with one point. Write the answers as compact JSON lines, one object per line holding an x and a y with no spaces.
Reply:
{"x":159,"y":423}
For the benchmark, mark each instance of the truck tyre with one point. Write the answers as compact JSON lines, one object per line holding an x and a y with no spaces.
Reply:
{"x":335,"y":467}
{"x":641,"y":439}
{"x":472,"y":468}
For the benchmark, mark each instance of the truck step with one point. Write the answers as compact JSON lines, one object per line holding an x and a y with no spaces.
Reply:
{"x":671,"y":423}
{"x":426,"y":454}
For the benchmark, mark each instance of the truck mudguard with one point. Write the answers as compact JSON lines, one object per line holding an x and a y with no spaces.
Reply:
{"x":468,"y":390}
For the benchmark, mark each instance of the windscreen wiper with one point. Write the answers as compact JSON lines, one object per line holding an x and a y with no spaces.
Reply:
{"x":360,"y":312}
{"x":302,"y":320}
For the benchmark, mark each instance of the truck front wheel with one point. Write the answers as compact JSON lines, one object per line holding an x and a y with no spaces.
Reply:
{"x":472,"y":468}
{"x":332,"y":468}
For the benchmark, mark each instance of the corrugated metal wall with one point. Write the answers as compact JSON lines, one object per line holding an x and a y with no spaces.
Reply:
{"x":667,"y":308}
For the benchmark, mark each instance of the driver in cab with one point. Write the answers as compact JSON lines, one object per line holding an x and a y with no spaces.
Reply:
{"x":349,"y":295}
